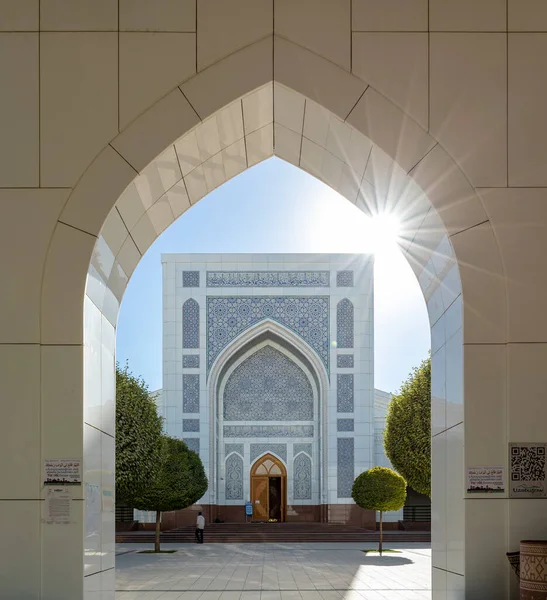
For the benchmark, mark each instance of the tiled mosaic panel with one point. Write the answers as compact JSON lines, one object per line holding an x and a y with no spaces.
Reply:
{"x":268,"y":279}
{"x":260,"y":431}
{"x":190,"y":424}
{"x":192,"y":443}
{"x":191,"y":361}
{"x":268,"y":386}
{"x":190,"y":393}
{"x":190,"y":279}
{"x":228,"y":317}
{"x":229,"y":448}
{"x":344,"y":393}
{"x":234,"y":477}
{"x":344,"y":324}
{"x":190,"y":324}
{"x":345,"y":466}
{"x":301,"y":448}
{"x":345,"y":425}
{"x":277,"y":449}
{"x":302,"y":477}
{"x":344,"y":279}
{"x":345,"y":361}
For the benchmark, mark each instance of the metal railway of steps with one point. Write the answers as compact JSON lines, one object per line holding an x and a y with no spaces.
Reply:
{"x":231,"y":533}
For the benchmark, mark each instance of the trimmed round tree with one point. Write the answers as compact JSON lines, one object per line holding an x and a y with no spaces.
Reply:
{"x":138,"y":436}
{"x":180,"y":482}
{"x":379,"y":489}
{"x":407,"y":437}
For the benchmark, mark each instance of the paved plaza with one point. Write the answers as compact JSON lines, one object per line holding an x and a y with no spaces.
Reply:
{"x":274,"y":572}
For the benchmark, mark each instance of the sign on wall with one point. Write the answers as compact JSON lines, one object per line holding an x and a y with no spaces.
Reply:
{"x":63,"y":471}
{"x":528,"y":470}
{"x":58,"y":506}
{"x":485,"y":480}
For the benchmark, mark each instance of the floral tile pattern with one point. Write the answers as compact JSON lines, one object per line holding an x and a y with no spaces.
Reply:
{"x":344,"y":324}
{"x":190,"y":393}
{"x":345,"y":469}
{"x":344,"y":393}
{"x":278,"y":449}
{"x":302,"y":477}
{"x":234,"y":477}
{"x":191,"y":361}
{"x":229,"y":316}
{"x":268,"y":386}
{"x":190,"y":279}
{"x":190,"y":324}
{"x":344,"y":279}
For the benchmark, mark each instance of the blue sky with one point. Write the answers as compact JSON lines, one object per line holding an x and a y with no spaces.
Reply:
{"x":276,"y":207}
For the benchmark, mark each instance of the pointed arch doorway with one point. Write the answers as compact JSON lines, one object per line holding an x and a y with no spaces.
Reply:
{"x":268,"y":489}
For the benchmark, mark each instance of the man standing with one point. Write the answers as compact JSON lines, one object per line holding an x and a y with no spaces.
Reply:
{"x":200,"y":526}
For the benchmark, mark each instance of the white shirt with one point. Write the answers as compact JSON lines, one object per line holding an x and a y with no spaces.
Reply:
{"x":200,"y":522}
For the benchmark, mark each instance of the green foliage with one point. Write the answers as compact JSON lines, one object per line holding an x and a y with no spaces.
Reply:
{"x":407,"y":438}
{"x":379,"y":489}
{"x":180,"y":482}
{"x":138,"y":436}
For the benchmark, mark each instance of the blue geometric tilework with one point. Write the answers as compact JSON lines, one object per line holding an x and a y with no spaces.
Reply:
{"x":190,"y":324}
{"x":302,"y":477}
{"x":345,"y":425}
{"x":234,"y":477}
{"x":345,"y":466}
{"x":344,"y":279}
{"x":344,"y":324}
{"x":229,"y":448}
{"x":281,"y":431}
{"x":190,"y":393}
{"x":228,"y":316}
{"x":191,"y":361}
{"x":268,"y":386}
{"x":344,"y":361}
{"x":190,"y":279}
{"x":190,"y":424}
{"x":301,"y":448}
{"x":277,"y":449}
{"x":344,"y":393}
{"x":192,"y":443}
{"x":268,"y":279}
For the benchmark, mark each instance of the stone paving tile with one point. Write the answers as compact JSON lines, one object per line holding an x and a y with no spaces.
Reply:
{"x":339,"y":571}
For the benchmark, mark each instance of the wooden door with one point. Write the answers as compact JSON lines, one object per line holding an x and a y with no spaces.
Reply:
{"x":267,"y":467}
{"x":259,"y":498}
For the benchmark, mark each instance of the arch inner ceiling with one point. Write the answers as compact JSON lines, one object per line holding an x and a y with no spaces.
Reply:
{"x":273,"y":120}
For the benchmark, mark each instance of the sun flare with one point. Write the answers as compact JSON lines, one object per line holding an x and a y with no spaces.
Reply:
{"x":383,"y":233}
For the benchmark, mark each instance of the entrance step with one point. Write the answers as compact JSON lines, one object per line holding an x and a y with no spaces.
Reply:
{"x":231,"y":533}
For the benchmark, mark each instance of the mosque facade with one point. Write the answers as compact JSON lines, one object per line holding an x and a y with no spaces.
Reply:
{"x":268,"y":374}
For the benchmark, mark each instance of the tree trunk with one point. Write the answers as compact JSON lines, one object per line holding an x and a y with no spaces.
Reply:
{"x":380,"y":545}
{"x":158,"y":531}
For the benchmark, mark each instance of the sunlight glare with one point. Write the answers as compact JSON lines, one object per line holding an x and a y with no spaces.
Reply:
{"x":383,"y":232}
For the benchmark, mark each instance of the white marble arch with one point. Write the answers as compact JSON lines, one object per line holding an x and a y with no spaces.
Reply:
{"x":88,"y":130}
{"x":268,"y":333}
{"x":357,"y":142}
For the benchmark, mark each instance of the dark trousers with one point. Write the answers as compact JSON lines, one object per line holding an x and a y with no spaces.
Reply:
{"x":199,"y":535}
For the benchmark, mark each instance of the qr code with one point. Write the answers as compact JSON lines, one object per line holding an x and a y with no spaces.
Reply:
{"x":528,"y":463}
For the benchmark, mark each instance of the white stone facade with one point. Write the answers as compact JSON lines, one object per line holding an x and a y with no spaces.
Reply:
{"x":282,"y":291}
